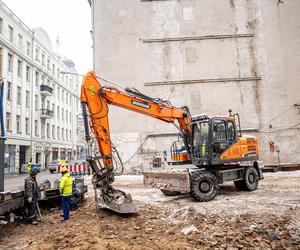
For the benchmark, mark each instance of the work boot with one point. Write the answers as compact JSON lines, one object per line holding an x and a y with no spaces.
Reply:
{"x":34,"y":222}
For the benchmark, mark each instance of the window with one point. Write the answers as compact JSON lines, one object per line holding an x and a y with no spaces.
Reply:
{"x":37,"y":54}
{"x":70,"y":117}
{"x":62,"y":134}
{"x":1,"y":25}
{"x":53,"y":69}
{"x":58,"y":93}
{"x":43,"y":130}
{"x":231,"y":131}
{"x":62,"y":95}
{"x":67,"y":135}
{"x":27,"y":126}
{"x":28,"y":48}
{"x":53,"y":132}
{"x":19,"y":68}
{"x":27,"y":73}
{"x":67,"y":116}
{"x":27,"y":99}
{"x":9,"y":62}
{"x":8,"y":94}
{"x":57,"y":73}
{"x":62,"y":114}
{"x":20,"y":41}
{"x":36,"y":102}
{"x":58,"y":135}
{"x":8,"y":119}
{"x":43,"y":79}
{"x":11,"y":33}
{"x":37,"y":78}
{"x":70,"y":136}
{"x":19,"y":96}
{"x":57,"y":112}
{"x":43,"y":59}
{"x":36,"y":125}
{"x":43,"y":102}
{"x":18,"y":124}
{"x":53,"y":107}
{"x":48,"y":104}
{"x":48,"y":64}
{"x":48,"y":130}
{"x":219,"y":130}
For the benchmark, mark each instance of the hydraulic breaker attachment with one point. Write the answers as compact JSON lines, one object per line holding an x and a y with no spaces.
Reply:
{"x":173,"y":181}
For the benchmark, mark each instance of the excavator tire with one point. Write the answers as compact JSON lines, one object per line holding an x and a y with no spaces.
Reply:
{"x":250,"y":181}
{"x":240,"y":185}
{"x":204,"y":185}
{"x":170,"y":193}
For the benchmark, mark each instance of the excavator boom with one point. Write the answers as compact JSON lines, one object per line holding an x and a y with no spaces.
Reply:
{"x":95,"y":99}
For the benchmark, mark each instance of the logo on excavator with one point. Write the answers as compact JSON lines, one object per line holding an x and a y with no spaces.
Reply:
{"x":140,"y":104}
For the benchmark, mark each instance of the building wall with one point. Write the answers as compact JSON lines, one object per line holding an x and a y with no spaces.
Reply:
{"x":210,"y":55}
{"x":48,"y":120}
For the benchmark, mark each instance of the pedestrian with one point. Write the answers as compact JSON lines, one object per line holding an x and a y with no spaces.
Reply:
{"x":29,"y":166}
{"x":31,"y":196}
{"x":65,"y":188}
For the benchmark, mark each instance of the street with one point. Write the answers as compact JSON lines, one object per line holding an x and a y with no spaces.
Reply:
{"x":16,"y":182}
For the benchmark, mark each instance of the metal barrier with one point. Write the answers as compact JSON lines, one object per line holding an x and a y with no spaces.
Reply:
{"x":75,"y":169}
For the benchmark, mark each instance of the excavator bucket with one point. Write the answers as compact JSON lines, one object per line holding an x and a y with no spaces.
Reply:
{"x":115,"y":200}
{"x":173,"y":181}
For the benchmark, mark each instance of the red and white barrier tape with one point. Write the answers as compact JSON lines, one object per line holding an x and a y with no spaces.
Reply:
{"x":73,"y":168}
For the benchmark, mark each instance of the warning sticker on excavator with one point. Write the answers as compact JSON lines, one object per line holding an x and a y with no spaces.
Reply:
{"x":91,"y":89}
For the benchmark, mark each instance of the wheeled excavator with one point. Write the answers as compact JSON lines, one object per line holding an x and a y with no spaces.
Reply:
{"x":213,"y":145}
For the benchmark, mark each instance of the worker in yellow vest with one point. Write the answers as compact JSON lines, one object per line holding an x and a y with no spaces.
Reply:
{"x":29,"y":166}
{"x":66,"y":189}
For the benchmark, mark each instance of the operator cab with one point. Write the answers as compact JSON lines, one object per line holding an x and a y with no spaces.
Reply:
{"x":211,"y":136}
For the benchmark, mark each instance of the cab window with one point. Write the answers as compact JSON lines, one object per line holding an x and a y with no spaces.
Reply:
{"x":231,"y":132}
{"x":219,"y":130}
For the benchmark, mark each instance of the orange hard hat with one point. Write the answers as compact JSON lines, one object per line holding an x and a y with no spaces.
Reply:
{"x":64,"y":169}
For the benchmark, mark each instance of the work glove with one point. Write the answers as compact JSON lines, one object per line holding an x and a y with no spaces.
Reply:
{"x":29,"y":199}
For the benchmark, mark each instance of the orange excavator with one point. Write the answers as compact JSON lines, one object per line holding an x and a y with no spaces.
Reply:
{"x":213,"y":145}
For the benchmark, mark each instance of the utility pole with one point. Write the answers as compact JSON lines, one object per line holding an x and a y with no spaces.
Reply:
{"x":2,"y":142}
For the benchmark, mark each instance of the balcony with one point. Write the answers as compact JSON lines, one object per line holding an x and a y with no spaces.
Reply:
{"x":46,"y":113}
{"x":46,"y":90}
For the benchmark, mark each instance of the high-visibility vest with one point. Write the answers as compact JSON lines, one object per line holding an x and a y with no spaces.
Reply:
{"x":29,"y":166}
{"x":65,"y":186}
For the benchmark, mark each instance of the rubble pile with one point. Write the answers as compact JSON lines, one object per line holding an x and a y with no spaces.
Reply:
{"x":156,"y":227}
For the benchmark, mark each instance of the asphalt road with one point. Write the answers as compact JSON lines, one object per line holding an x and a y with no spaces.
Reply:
{"x":15,"y":182}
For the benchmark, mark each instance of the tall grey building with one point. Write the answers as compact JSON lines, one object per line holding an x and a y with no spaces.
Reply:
{"x":210,"y":55}
{"x":41,"y":105}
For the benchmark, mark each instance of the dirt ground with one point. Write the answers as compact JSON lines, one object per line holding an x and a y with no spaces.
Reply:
{"x":268,"y":218}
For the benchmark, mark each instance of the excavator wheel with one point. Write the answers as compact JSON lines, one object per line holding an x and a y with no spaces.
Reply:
{"x":204,"y":185}
{"x":250,"y":181}
{"x":169,"y":193}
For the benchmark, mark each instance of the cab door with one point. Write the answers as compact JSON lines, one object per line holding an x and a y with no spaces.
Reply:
{"x":224,"y":134}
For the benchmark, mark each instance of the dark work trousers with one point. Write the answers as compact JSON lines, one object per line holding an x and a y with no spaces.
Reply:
{"x":65,"y":201}
{"x":31,"y":206}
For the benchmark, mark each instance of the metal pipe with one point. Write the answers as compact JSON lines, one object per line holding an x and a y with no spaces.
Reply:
{"x":85,"y":122}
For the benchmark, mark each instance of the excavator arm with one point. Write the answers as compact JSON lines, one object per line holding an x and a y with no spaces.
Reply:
{"x":95,"y":99}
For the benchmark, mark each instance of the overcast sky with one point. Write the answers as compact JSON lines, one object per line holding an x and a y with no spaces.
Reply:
{"x":68,"y":19}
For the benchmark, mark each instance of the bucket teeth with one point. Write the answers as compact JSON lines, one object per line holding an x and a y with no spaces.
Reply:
{"x":115,"y":200}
